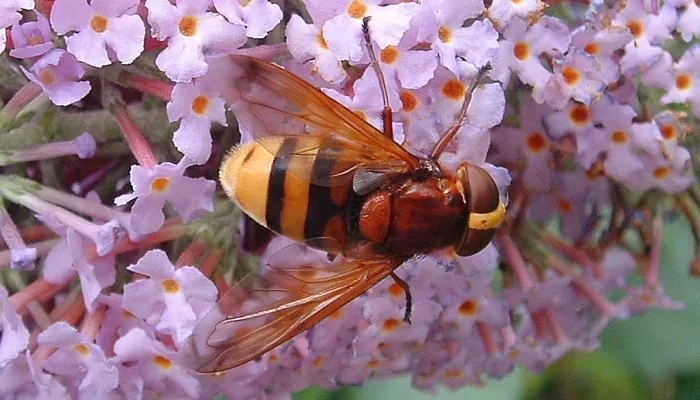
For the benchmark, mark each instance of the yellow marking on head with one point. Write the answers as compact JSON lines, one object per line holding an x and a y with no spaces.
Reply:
{"x":489,"y":220}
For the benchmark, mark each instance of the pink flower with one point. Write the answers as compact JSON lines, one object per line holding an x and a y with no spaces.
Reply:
{"x":689,"y":19}
{"x":70,"y":256}
{"x":440,"y":23}
{"x":156,"y":365}
{"x":258,"y":16}
{"x":577,"y":76}
{"x":602,"y":43}
{"x":100,"y":25}
{"x":343,"y":33}
{"x":117,"y":322}
{"x":196,"y":105}
{"x":521,"y":50}
{"x":170,"y":300}
{"x":192,"y":32}
{"x":305,"y":42}
{"x":58,"y":72}
{"x":685,"y":83}
{"x":77,"y":358}
{"x":528,"y":143}
{"x":648,"y":29}
{"x":22,"y":379}
{"x":166,"y":183}
{"x":31,"y":39}
{"x":9,"y":15}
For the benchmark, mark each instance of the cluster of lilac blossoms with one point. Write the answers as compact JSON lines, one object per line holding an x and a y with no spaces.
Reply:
{"x":116,"y":242}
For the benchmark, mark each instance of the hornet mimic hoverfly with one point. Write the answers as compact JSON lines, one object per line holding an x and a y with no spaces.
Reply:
{"x":320,"y":174}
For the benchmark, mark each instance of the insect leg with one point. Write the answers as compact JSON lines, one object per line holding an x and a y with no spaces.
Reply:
{"x":457,"y":124}
{"x":409,"y":299}
{"x":386,"y":112}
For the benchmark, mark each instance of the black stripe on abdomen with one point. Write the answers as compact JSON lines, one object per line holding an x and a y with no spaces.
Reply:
{"x":275,"y":188}
{"x":321,"y":206}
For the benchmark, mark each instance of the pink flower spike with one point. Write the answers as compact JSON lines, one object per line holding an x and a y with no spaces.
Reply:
{"x":258,"y":16}
{"x":78,"y":357}
{"x":57,"y":72}
{"x":166,"y":183}
{"x":191,"y":32}
{"x":172,"y":300}
{"x":157,"y":365}
{"x":15,"y":336}
{"x":31,"y":39}
{"x":196,"y":104}
{"x":83,"y":146}
{"x":99,"y":26}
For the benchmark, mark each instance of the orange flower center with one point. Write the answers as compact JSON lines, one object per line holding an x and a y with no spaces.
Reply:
{"x":409,"y":101}
{"x":170,"y":286}
{"x":565,"y":206}
{"x":188,"y":26}
{"x":445,"y":34}
{"x":395,"y":290}
{"x":162,"y":362}
{"x":636,"y":28}
{"x":683,"y":82}
{"x":469,"y":308}
{"x":453,"y":89}
{"x":668,"y":131}
{"x":521,"y":51}
{"x":592,"y":49}
{"x":571,"y":75}
{"x":47,"y":77}
{"x":661,"y":172}
{"x":536,"y":142}
{"x":81,"y":349}
{"x":389,"y":55}
{"x":98,"y":23}
{"x":391,"y":324}
{"x":580,"y":115}
{"x":619,"y":137}
{"x":322,"y":42}
{"x":200,"y":104}
{"x":160,"y":184}
{"x":35,"y":40}
{"x":357,"y":9}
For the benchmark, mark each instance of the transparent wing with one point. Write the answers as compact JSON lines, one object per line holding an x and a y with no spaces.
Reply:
{"x":269,"y":101}
{"x":262,"y":312}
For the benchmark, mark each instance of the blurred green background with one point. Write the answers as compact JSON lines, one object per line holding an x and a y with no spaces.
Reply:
{"x":653,"y":356}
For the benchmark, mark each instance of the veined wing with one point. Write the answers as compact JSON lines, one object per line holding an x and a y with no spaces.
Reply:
{"x":262,"y":312}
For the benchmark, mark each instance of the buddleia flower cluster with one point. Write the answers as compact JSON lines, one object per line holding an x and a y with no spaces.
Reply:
{"x":116,"y":240}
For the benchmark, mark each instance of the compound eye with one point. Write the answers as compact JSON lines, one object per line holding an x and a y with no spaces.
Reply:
{"x":485,"y":209}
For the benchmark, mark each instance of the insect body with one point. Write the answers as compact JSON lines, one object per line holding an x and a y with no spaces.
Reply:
{"x":319,"y":174}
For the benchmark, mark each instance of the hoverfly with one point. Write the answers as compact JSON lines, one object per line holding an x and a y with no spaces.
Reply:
{"x":320,"y":174}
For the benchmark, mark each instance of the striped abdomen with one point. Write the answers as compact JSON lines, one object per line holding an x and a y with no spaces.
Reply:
{"x":259,"y":178}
